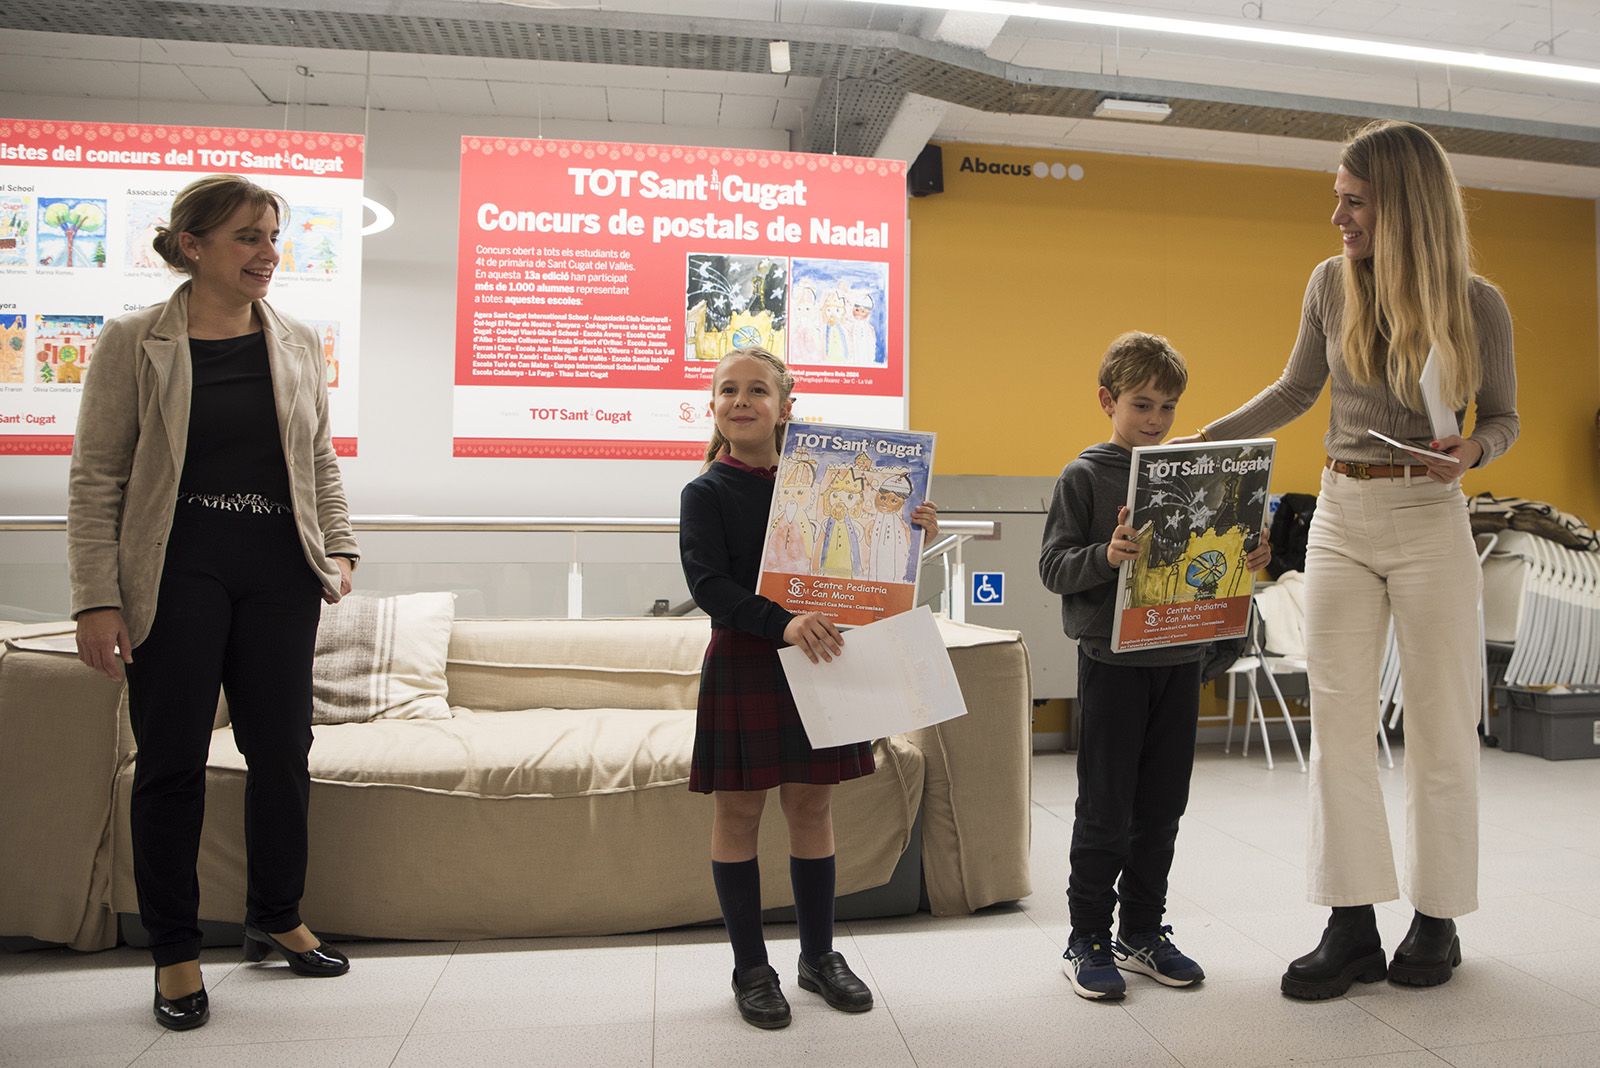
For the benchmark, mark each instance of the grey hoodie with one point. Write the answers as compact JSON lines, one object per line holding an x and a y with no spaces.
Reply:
{"x":1072,"y":560}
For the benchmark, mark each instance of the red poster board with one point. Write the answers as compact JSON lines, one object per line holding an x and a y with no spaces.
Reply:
{"x":79,"y":204}
{"x":599,"y":284}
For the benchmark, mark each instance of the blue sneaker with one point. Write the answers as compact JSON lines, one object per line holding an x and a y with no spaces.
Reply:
{"x":1089,"y":963}
{"x":1153,"y":954}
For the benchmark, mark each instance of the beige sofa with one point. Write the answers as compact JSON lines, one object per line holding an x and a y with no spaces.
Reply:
{"x":554,"y":802}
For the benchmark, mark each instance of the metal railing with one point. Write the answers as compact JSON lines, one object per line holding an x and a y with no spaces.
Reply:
{"x":953,"y":534}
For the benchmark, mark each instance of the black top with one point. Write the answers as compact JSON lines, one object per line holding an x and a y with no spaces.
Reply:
{"x":722,"y":525}
{"x":234,"y":445}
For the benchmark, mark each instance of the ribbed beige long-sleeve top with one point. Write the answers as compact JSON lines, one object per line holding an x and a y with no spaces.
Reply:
{"x":1318,"y":354}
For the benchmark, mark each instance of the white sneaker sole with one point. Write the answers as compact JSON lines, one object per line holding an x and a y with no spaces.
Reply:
{"x":1134,"y":964}
{"x":1085,"y":992}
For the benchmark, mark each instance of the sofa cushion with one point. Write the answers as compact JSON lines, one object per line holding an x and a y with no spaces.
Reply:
{"x":382,"y":656}
{"x":506,"y":664}
{"x":540,"y":752}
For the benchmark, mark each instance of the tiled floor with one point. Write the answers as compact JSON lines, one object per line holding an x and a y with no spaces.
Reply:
{"x":978,"y":990}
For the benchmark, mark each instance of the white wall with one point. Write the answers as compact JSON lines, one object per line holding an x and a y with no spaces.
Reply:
{"x":407,"y":326}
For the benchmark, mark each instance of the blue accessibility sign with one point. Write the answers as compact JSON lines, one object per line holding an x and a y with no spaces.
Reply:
{"x":989,"y":587}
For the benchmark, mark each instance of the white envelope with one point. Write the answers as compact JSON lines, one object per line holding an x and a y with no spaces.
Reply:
{"x":894,"y":676}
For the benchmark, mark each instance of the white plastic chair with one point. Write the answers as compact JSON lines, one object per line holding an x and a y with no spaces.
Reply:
{"x":1255,"y":713}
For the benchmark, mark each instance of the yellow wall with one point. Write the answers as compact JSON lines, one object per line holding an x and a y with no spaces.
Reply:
{"x":1018,"y":283}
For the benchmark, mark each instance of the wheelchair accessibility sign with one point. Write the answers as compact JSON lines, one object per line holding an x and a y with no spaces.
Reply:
{"x":988,"y":587}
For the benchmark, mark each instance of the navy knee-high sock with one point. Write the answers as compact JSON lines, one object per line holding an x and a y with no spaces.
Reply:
{"x":813,"y":904}
{"x":739,"y":894}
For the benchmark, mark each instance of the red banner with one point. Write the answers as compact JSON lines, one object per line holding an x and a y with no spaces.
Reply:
{"x":80,"y":203}
{"x":598,"y":285}
{"x":197,"y":149}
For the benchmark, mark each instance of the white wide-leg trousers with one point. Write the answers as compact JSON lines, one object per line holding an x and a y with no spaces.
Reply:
{"x":1375,"y":547}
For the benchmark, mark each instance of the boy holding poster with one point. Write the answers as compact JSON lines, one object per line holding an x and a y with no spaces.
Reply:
{"x":1138,"y":709}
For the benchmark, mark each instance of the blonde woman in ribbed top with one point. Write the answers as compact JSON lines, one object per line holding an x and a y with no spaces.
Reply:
{"x":1390,"y":536}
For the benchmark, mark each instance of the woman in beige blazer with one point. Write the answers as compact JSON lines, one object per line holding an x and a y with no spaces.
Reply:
{"x":206,"y":522}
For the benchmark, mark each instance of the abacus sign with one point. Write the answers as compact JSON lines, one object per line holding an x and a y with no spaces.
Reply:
{"x":598,"y":285}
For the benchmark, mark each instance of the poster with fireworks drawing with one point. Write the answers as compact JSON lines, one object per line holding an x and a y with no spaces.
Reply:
{"x":839,"y":536}
{"x":1198,"y":510}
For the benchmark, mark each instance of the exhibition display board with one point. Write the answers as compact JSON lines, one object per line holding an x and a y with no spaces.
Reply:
{"x":598,"y":285}
{"x":79,"y":205}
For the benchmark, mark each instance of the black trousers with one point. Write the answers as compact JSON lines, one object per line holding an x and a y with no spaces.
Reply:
{"x":237,"y":609}
{"x":1135,"y":757}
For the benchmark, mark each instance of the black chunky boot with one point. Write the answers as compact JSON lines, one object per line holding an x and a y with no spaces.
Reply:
{"x":1350,"y":950}
{"x":1429,"y":953}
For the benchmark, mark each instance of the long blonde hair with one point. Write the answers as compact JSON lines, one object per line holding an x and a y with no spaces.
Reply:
{"x":781,"y":378}
{"x":1413,"y":292}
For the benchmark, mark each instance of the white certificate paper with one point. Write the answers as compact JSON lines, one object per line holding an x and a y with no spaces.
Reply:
{"x":1440,"y":418}
{"x":894,"y":676}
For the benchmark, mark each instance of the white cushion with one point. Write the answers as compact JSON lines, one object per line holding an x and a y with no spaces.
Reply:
{"x":382,"y":657}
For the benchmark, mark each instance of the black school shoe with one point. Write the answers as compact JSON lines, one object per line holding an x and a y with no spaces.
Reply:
{"x":760,"y":999}
{"x":832,"y":978}
{"x":1429,"y":953}
{"x":1350,"y":951}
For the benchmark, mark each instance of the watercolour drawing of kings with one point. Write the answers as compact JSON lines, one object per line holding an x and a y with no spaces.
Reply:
{"x":840,"y":537}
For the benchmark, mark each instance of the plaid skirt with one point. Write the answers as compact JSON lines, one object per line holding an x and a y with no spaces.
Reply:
{"x":748,"y":734}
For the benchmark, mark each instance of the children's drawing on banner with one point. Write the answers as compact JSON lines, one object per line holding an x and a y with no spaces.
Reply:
{"x":13,"y":347}
{"x":63,"y":346}
{"x":16,"y":222}
{"x":839,"y":314}
{"x":793,"y":529}
{"x":734,"y":302}
{"x":327,"y":331}
{"x":144,"y":215}
{"x":312,"y":241}
{"x":72,"y":232}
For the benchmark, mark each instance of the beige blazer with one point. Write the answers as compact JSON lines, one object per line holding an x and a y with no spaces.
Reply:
{"x":127,"y":456}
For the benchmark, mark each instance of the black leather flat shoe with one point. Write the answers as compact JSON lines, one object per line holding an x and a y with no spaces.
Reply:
{"x":181,"y":1014}
{"x":322,"y":962}
{"x":1350,"y":951}
{"x":1429,"y":953}
{"x":760,"y":999}
{"x":838,"y":985}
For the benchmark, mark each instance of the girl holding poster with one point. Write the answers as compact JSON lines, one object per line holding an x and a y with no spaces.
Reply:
{"x":205,"y":521}
{"x":748,"y":734}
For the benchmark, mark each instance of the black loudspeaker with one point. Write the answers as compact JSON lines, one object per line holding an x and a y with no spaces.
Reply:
{"x":926,"y":175}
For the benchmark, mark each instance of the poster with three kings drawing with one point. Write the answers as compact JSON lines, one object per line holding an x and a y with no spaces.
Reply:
{"x":839,"y":537}
{"x":1198,"y":510}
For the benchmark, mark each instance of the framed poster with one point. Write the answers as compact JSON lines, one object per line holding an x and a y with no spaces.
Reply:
{"x":1199,"y":510}
{"x":839,"y":537}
